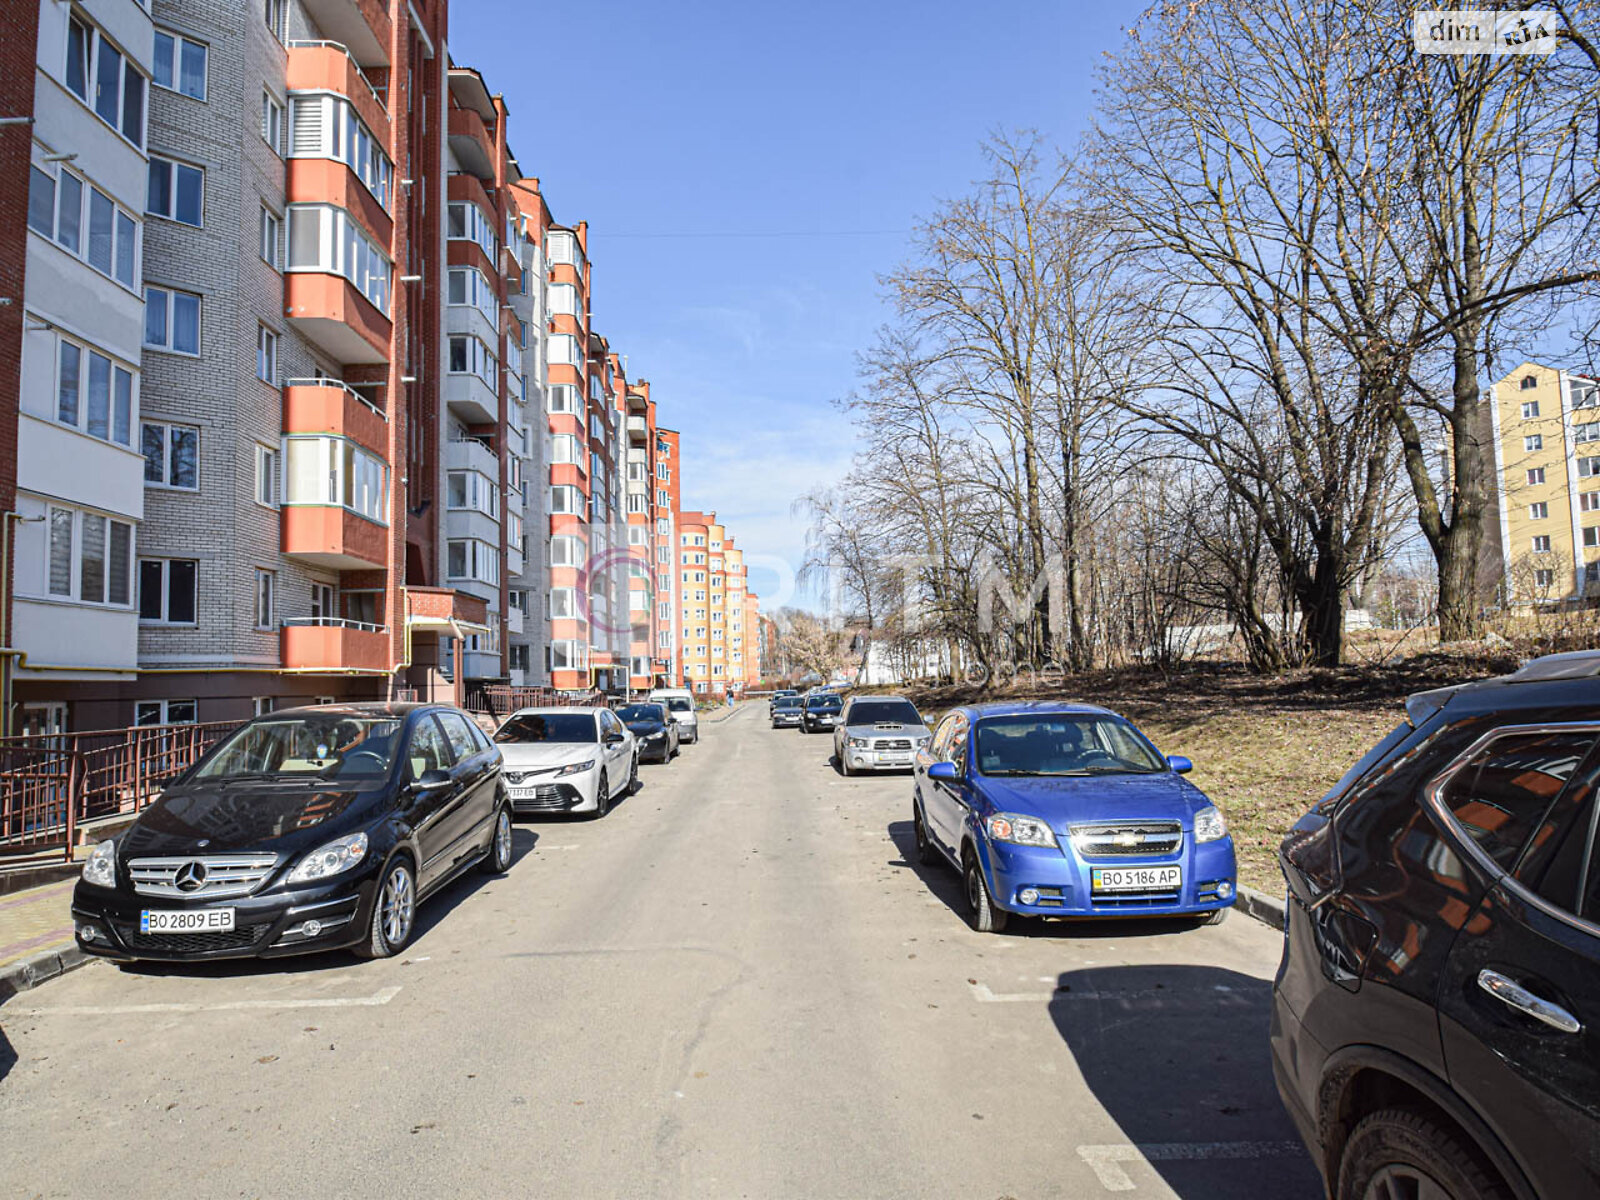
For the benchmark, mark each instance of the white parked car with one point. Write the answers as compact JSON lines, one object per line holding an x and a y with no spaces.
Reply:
{"x":566,"y":759}
{"x":680,"y":703}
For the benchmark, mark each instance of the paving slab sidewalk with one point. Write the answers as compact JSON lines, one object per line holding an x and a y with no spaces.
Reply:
{"x":36,"y":940}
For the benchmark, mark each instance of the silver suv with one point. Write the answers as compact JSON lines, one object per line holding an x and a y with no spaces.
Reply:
{"x":878,"y":733}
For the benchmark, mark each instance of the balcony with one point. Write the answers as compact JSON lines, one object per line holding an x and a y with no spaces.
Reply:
{"x":469,"y":454}
{"x":471,"y":142}
{"x":481,"y":664}
{"x":362,"y":25}
{"x":470,"y":319}
{"x":514,"y":620}
{"x":334,"y":537}
{"x":516,"y":564}
{"x":471,"y":399}
{"x":331,"y":407}
{"x":637,"y":432}
{"x":327,"y":310}
{"x":332,"y":67}
{"x":328,"y":643}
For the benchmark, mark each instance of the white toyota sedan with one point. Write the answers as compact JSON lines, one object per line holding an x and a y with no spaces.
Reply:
{"x":567,"y":759}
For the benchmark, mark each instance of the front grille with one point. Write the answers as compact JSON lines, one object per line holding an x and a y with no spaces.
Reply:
{"x":523,"y":776}
{"x":200,"y":876}
{"x":547,"y":797}
{"x":1152,"y":839}
{"x":892,"y":744}
{"x":194,"y":943}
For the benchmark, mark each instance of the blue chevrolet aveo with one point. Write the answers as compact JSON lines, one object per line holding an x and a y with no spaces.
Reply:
{"x":1067,"y":810}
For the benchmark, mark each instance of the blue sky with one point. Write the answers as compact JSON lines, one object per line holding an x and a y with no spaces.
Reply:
{"x":747,"y":171}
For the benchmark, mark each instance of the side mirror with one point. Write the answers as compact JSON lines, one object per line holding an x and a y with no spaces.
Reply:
{"x":943,"y":770}
{"x":614,"y":739}
{"x":431,"y":781}
{"x":1179,"y":764}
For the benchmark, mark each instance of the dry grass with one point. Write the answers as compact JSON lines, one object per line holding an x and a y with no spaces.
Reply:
{"x":1265,"y":749}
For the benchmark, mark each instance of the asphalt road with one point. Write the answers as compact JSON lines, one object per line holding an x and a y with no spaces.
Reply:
{"x":736,"y":984}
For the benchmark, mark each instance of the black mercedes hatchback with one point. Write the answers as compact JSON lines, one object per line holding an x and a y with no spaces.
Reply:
{"x":1436,"y":1016}
{"x":306,"y":829}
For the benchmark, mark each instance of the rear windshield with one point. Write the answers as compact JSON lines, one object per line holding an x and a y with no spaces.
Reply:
{"x":787,"y":702}
{"x":680,"y":704}
{"x":884,"y":712}
{"x":547,"y":727}
{"x":641,"y":712}
{"x":824,"y":703}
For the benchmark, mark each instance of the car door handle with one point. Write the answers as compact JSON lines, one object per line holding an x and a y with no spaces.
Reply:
{"x":1509,"y":991}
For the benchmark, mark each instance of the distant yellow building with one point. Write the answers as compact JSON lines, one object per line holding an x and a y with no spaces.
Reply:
{"x":1546,"y":443}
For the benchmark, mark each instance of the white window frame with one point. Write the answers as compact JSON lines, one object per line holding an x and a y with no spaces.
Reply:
{"x":266,"y":599}
{"x":165,"y":617}
{"x":273,"y":113}
{"x":116,"y":371}
{"x":1541,"y":543}
{"x":269,"y":479}
{"x":78,"y":520}
{"x":338,"y":474}
{"x":1530,"y":409}
{"x":163,"y":710}
{"x":173,"y":168}
{"x":167,"y":429}
{"x":342,"y":248}
{"x":95,"y":45}
{"x":1535,"y":476}
{"x":167,"y":299}
{"x":337,"y":132}
{"x":1541,"y":510}
{"x":271,"y":238}
{"x":1532,"y":442}
{"x":179,"y":41}
{"x":267,"y":355}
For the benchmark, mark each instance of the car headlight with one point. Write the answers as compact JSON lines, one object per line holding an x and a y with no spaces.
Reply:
{"x":100,"y":868}
{"x":575,"y":768}
{"x":1020,"y":830}
{"x":859,"y":743}
{"x":327,"y":861}
{"x":1209,"y":825}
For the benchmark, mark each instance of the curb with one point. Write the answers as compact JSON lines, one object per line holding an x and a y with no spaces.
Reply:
{"x":1264,"y":908}
{"x":40,"y":968}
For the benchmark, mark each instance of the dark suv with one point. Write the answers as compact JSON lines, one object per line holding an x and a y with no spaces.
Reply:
{"x":1434,"y":1026}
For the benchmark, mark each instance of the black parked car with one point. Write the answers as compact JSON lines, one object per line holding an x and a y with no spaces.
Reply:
{"x":821,"y":711}
{"x":306,"y":829}
{"x":653,"y":729}
{"x":1436,"y":1017}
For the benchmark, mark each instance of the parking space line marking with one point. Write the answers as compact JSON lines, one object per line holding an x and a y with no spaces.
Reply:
{"x":573,"y":846}
{"x":382,"y":996}
{"x":1106,"y":1161}
{"x":982,"y":994}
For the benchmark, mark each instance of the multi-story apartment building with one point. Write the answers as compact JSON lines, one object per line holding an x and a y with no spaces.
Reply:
{"x":309,"y":404}
{"x":1542,"y":535}
{"x":715,"y":607}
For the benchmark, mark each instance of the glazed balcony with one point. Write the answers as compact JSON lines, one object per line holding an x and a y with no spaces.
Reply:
{"x":332,"y":644}
{"x":329,"y":311}
{"x":331,"y":407}
{"x":362,"y":25}
{"x":331,"y":66}
{"x":327,"y":535}
{"x":472,"y":143}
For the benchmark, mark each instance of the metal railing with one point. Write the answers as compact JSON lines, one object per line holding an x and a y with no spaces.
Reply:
{"x":341,"y":385}
{"x":337,"y":623}
{"x":50,"y":783}
{"x":503,"y":699}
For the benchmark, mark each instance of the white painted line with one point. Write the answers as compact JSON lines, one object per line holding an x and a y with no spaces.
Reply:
{"x":1106,"y":1161}
{"x":574,"y":846}
{"x":982,"y":994}
{"x":377,"y":998}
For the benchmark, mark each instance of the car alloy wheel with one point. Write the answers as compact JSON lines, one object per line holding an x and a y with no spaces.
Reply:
{"x":393,"y":912}
{"x":602,"y":796}
{"x":498,"y":860}
{"x":1409,"y":1154}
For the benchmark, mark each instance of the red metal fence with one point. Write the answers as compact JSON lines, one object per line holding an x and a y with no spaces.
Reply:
{"x":51,"y":782}
{"x":502,"y":699}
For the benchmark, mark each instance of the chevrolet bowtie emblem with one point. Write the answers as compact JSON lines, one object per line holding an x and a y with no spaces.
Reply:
{"x":1128,"y":839}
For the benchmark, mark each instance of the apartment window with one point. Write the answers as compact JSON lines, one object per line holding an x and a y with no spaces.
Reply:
{"x":468,"y":286}
{"x":327,"y":126}
{"x":1544,"y":578}
{"x":1530,"y":409}
{"x":176,"y":191}
{"x":1541,"y":544}
{"x":1541,"y":510}
{"x":260,"y":706}
{"x":1587,"y":467}
{"x":469,"y":558}
{"x":85,"y":222}
{"x":1589,"y":502}
{"x":272,"y":122}
{"x":1528,"y":381}
{"x":561,"y":603}
{"x":90,"y":557}
{"x":636,"y":503}
{"x":663,"y":472}
{"x":1535,"y":476}
{"x":103,"y":78}
{"x":94,"y":394}
{"x":566,"y":551}
{"x":327,"y":239}
{"x":1583,"y":395}
{"x":266,"y":355}
{"x":473,"y":490}
{"x":566,"y":500}
{"x":271,"y":226}
{"x":272,"y":11}
{"x":1534,"y":442}
{"x":164,"y":712}
{"x":562,"y":299}
{"x":171,"y":455}
{"x":1591,"y":536}
{"x":266,"y":599}
{"x":1586,"y":433}
{"x":663,"y":554}
{"x":638,"y":535}
{"x":564,"y":448}
{"x":179,"y":64}
{"x":467,"y":222}
{"x":562,"y":398}
{"x":470,"y":356}
{"x":171,"y":320}
{"x":562,"y":350}
{"x":267,"y":476}
{"x":168,"y":590}
{"x":333,"y":471}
